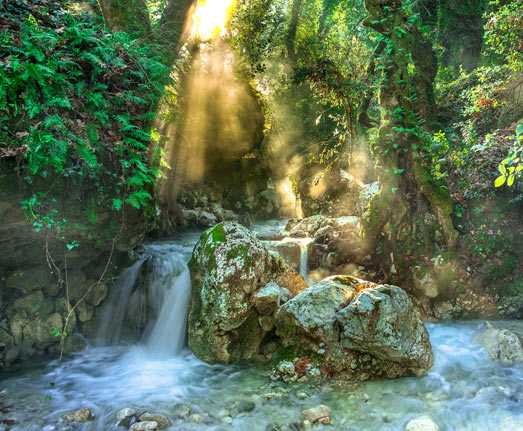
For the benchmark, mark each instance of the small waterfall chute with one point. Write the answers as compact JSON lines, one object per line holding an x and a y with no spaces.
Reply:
{"x":113,"y":316}
{"x":304,"y":257}
{"x":171,"y":284}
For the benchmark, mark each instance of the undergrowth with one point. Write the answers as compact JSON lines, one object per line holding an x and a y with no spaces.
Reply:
{"x":77,"y":103}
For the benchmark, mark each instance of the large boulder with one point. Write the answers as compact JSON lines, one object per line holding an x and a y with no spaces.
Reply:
{"x":383,"y":322}
{"x":355,"y":327}
{"x":234,"y":276}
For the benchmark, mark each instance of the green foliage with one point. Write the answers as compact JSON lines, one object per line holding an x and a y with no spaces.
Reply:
{"x":74,"y":101}
{"x":504,"y":32}
{"x":511,"y":168}
{"x":311,"y":98}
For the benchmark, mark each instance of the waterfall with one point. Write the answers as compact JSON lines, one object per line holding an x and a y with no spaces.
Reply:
{"x":113,"y":316}
{"x":304,"y":260}
{"x":171,"y":281}
{"x":166,"y":297}
{"x":304,"y":257}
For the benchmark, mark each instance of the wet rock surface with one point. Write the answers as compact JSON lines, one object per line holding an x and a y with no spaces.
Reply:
{"x":422,"y":423}
{"x":79,"y":416}
{"x":229,"y":267}
{"x":356,"y":327}
{"x":334,"y":241}
{"x":502,"y":344}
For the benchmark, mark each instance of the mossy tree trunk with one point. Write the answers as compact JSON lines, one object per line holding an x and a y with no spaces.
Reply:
{"x":412,"y":206}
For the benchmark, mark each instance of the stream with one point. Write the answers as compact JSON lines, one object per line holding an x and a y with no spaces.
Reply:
{"x":464,"y":391}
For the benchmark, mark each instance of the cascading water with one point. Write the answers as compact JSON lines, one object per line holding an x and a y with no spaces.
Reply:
{"x":167,"y":292}
{"x":113,"y":316}
{"x":304,"y":257}
{"x":171,"y":277}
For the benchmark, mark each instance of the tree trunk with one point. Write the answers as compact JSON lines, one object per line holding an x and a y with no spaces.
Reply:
{"x":291,"y":31}
{"x":130,"y":16}
{"x":412,"y":205}
{"x":174,"y":21}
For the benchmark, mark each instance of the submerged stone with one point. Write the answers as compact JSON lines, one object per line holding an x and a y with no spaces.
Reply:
{"x":81,"y":415}
{"x":318,"y":414}
{"x":502,"y":345}
{"x":162,"y":421}
{"x":144,"y":426}
{"x":422,"y":423}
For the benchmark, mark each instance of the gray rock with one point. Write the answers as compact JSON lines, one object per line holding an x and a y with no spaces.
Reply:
{"x":502,"y":345}
{"x":383,"y":322}
{"x":287,"y":249}
{"x":312,"y":313}
{"x":246,"y":406}
{"x":229,"y":266}
{"x":182,"y":411}
{"x":162,"y":421}
{"x":126,"y":417}
{"x":357,"y":327}
{"x":79,"y":416}
{"x":97,"y":294}
{"x":422,"y":423}
{"x":144,"y":426}
{"x":319,"y":414}
{"x":196,"y":418}
{"x":270,"y":297}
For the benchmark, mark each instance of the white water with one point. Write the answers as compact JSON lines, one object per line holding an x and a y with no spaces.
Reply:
{"x":168,"y":335}
{"x":113,"y":315}
{"x":304,"y":257}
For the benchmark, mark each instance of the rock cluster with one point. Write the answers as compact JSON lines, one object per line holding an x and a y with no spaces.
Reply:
{"x":248,"y":304}
{"x":33,"y":301}
{"x":355,"y":327}
{"x":35,"y":311}
{"x":136,"y":420}
{"x":335,"y":241}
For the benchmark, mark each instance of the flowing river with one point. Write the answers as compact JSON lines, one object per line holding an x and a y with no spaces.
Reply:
{"x":465,"y":390}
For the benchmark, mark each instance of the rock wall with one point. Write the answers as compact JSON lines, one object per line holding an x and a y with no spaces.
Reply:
{"x":41,"y":281}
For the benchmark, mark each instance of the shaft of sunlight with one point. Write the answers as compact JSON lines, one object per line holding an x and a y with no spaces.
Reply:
{"x":209,"y":19}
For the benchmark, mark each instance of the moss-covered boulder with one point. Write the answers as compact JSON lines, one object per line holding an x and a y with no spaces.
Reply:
{"x":229,"y":266}
{"x":351,"y":327}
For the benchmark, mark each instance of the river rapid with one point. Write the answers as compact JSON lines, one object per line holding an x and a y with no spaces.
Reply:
{"x":464,"y":391}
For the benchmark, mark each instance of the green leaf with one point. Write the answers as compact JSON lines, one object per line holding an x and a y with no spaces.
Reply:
{"x":72,"y":245}
{"x":500,"y":181}
{"x":117,"y":204}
